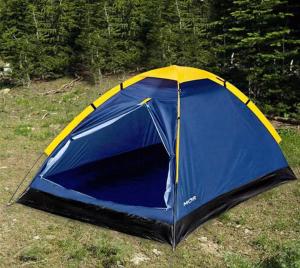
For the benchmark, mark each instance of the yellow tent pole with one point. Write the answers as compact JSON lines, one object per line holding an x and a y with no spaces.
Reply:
{"x":178,"y":132}
{"x":180,"y":74}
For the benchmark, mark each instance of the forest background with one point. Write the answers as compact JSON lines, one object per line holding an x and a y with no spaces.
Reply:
{"x":253,"y":43}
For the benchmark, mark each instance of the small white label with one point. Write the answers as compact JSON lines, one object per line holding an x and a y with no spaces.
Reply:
{"x":189,"y":201}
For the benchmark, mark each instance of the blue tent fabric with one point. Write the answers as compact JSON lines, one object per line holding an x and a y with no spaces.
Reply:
{"x":134,"y":130}
{"x":117,"y":168}
{"x":228,"y":136}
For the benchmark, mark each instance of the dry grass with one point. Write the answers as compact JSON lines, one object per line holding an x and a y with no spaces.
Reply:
{"x":263,"y":232}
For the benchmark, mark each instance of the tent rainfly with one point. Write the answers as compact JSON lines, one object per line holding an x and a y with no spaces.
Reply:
{"x":160,"y":154}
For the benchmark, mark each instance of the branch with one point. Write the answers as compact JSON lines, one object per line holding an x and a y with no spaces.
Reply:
{"x":64,"y":87}
{"x":290,"y":121}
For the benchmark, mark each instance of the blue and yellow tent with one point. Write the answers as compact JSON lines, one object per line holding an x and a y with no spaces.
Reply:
{"x":160,"y":154}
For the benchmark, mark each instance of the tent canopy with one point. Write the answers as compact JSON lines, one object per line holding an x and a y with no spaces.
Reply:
{"x":160,"y":154}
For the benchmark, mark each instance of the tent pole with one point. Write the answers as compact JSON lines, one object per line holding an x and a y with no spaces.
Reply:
{"x":174,"y":217}
{"x":177,"y":167}
{"x":22,"y":181}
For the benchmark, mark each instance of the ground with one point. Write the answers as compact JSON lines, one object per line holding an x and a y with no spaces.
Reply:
{"x":262,"y":232}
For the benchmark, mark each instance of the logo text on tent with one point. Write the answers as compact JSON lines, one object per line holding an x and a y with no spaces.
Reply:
{"x":189,"y":201}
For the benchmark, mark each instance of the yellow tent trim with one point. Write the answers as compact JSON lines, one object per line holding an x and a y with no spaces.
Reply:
{"x":106,"y":96}
{"x":180,"y":74}
{"x":76,"y":121}
{"x":264,"y":120}
{"x":240,"y":95}
{"x":67,"y":130}
{"x":184,"y":74}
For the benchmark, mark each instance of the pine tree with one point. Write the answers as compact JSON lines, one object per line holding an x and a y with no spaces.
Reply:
{"x":16,"y":35}
{"x":35,"y":37}
{"x":219,"y":21}
{"x":54,"y":22}
{"x":193,"y":35}
{"x":110,"y":37}
{"x":92,"y":42}
{"x":179,"y":34}
{"x":257,"y":40}
{"x":254,"y":43}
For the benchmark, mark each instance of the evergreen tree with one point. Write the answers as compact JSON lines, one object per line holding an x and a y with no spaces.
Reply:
{"x":35,"y":37}
{"x":179,"y":34}
{"x":16,"y":35}
{"x":258,"y":41}
{"x":253,"y":43}
{"x":54,"y":22}
{"x":219,"y":21}
{"x":109,"y":38}
{"x":193,"y":35}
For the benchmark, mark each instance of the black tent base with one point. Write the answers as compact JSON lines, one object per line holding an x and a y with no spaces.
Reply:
{"x":123,"y":222}
{"x":230,"y":199}
{"x":148,"y":228}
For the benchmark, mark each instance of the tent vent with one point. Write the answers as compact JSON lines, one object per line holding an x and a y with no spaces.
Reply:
{"x":247,"y":101}
{"x":121,"y":86}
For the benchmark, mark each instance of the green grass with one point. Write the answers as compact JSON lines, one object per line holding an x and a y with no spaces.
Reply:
{"x":285,"y":256}
{"x":263,"y":232}
{"x":234,"y":260}
{"x":291,"y":145}
{"x":23,"y":130}
{"x":34,"y":253}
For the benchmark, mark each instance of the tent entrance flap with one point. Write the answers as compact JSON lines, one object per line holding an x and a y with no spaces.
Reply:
{"x":133,"y":175}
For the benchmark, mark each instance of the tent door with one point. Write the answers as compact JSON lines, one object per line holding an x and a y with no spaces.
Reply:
{"x":124,"y":162}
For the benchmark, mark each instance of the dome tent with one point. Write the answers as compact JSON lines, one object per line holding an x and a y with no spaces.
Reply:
{"x":160,"y":154}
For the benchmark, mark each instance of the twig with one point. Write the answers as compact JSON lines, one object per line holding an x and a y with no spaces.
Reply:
{"x":45,"y":115}
{"x":64,"y":87}
{"x":285,"y":120}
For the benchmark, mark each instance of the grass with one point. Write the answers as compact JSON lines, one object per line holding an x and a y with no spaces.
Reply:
{"x":263,"y":232}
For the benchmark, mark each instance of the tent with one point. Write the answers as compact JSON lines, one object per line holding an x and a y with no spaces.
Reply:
{"x":160,"y":154}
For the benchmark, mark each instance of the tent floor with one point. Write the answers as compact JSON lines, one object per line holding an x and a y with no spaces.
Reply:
{"x":134,"y":178}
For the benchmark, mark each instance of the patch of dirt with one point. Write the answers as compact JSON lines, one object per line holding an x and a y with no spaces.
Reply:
{"x":138,"y":258}
{"x":209,"y":246}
